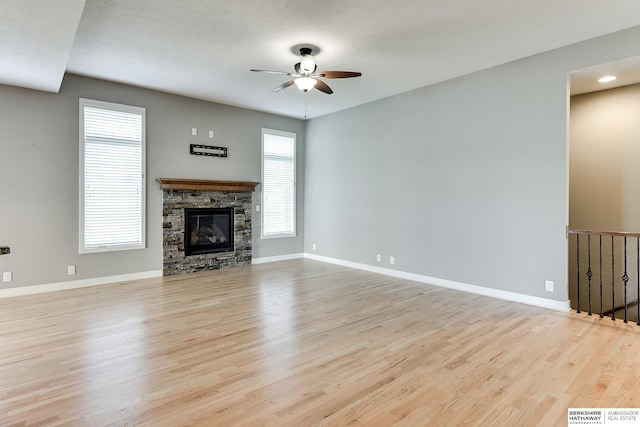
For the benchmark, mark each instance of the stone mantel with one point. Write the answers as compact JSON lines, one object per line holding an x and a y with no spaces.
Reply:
{"x":206,"y":185}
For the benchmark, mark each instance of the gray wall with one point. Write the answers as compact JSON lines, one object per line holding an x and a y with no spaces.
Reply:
{"x":463,"y":181}
{"x":605,"y":153}
{"x":39,"y":174}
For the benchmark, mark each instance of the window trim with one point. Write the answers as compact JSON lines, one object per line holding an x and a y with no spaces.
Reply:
{"x":292,"y":135}
{"x":84,"y":102}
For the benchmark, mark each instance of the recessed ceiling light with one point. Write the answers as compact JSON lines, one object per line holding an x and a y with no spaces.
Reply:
{"x":607,"y":79}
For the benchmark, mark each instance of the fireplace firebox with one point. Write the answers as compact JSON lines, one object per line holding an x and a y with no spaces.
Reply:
{"x":208,"y":230}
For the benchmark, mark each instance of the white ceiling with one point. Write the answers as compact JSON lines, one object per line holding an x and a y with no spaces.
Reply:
{"x":204,"y":49}
{"x":626,"y":71}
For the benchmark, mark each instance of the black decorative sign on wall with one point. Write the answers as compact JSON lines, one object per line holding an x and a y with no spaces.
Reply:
{"x":207,"y":150}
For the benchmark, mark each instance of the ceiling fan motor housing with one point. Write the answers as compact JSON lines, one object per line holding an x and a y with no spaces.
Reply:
{"x":308,"y":63}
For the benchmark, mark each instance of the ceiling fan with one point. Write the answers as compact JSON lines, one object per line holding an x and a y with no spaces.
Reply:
{"x":306,"y":77}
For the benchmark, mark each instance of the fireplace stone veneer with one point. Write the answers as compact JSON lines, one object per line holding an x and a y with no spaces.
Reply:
{"x":226,"y":194}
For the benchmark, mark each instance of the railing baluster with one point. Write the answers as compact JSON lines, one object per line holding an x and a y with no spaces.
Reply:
{"x":589,"y":272}
{"x":625,"y":279}
{"x":600,"y":236}
{"x":613,"y":280}
{"x":578,"y":267}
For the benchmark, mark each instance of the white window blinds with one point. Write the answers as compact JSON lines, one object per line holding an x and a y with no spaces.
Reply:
{"x":112,"y":141}
{"x":278,"y":184}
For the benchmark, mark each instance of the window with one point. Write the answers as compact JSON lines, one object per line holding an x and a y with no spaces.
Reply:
{"x":278,"y":184}
{"x":112,"y":168}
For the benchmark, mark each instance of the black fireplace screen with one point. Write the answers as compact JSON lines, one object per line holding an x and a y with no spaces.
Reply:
{"x":208,"y":230}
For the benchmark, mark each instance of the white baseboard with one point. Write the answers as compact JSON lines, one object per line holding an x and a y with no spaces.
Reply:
{"x":264,"y":260}
{"x":474,"y":289}
{"x":75,"y":284}
{"x":465,"y":287}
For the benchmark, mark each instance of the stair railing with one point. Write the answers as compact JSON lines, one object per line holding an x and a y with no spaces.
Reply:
{"x":613,"y":274}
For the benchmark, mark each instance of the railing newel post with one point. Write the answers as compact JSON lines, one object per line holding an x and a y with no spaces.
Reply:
{"x":600,"y":237}
{"x":613,"y":280}
{"x":589,"y":272}
{"x":625,"y":279}
{"x":578,"y":267}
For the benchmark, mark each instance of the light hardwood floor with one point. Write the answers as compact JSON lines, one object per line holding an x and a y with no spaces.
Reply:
{"x":303,"y":343}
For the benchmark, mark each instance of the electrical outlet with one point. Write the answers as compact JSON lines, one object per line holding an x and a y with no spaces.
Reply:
{"x":194,"y":131}
{"x":378,"y":257}
{"x":257,"y":208}
{"x":548,"y":285}
{"x":210,"y":134}
{"x":71,"y":270}
{"x":7,"y":276}
{"x":313,"y":246}
{"x":392,"y":260}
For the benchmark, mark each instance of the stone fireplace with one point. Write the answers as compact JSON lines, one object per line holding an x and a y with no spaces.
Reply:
{"x":206,"y":224}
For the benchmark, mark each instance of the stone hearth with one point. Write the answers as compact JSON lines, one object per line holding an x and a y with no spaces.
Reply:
{"x":179,"y":194}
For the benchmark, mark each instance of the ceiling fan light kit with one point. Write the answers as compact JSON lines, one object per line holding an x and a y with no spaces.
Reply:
{"x":305,"y":83}
{"x":306,"y":77}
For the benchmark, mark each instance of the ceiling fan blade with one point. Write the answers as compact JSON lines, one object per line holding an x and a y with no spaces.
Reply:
{"x":338,"y":74}
{"x":283,"y":86}
{"x":273,"y":72}
{"x":322,"y":87}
